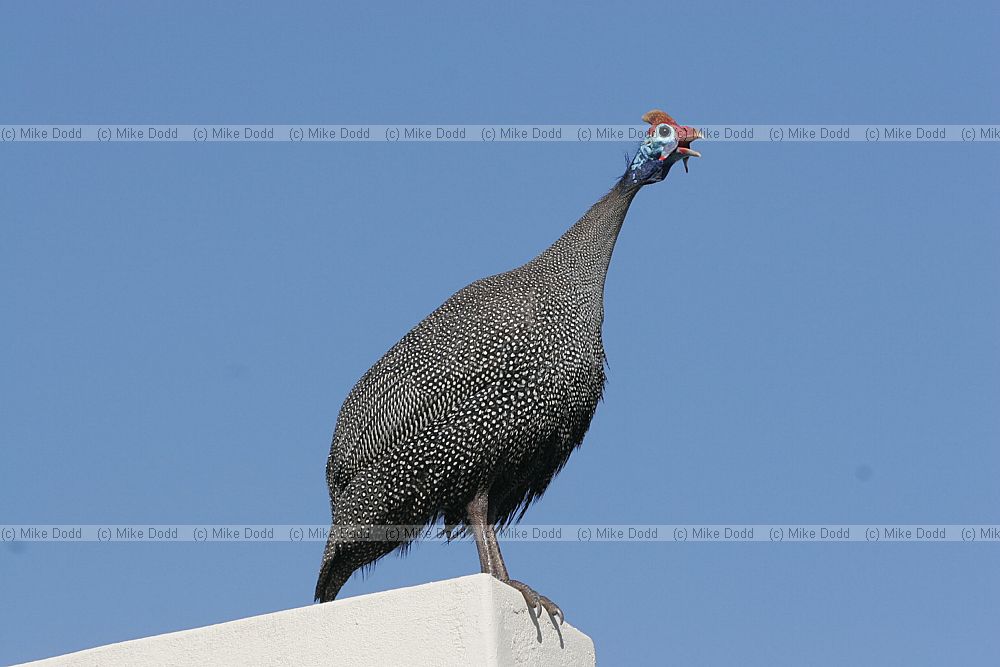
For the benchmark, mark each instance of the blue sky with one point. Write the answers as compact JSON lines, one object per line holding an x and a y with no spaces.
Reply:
{"x":797,"y":333}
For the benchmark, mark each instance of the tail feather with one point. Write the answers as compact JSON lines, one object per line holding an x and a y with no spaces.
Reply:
{"x":328,"y":584}
{"x":342,"y":559}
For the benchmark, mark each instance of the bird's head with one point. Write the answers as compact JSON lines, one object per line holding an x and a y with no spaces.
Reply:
{"x":666,"y":142}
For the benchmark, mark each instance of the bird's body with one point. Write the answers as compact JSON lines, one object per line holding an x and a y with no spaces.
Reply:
{"x":473,"y":412}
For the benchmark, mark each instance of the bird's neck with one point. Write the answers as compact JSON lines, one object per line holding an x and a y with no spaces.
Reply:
{"x":581,"y":256}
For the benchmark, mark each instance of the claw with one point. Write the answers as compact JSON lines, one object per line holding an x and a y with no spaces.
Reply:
{"x":553,"y":609}
{"x":537,"y":602}
{"x":530,"y":596}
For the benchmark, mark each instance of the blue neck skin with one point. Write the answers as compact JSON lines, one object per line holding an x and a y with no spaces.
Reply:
{"x":647,"y":168}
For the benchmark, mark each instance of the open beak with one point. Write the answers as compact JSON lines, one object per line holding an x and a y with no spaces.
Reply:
{"x":686,"y":135}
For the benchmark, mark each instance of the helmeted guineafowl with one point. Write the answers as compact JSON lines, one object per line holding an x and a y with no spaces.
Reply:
{"x":470,"y":416}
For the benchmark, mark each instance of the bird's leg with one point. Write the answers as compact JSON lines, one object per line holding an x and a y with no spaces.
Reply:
{"x":476,"y":515}
{"x":495,"y":556}
{"x":491,"y":560}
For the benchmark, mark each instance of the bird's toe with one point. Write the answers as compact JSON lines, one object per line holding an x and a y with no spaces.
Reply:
{"x":537,"y":602}
{"x":530,"y":596}
{"x":553,"y":609}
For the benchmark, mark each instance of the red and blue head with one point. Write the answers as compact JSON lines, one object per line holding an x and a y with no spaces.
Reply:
{"x":666,"y":142}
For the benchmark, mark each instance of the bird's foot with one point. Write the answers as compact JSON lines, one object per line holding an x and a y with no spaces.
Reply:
{"x":537,"y":601}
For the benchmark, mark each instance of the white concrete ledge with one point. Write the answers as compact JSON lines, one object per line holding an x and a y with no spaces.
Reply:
{"x":473,"y":620}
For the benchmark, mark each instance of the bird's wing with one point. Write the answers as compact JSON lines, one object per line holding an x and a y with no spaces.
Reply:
{"x":434,"y":368}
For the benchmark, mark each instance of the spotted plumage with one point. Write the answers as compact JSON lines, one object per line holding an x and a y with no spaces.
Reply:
{"x":478,"y":407}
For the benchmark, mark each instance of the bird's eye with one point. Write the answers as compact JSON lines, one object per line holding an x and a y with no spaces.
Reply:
{"x":665,"y":131}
